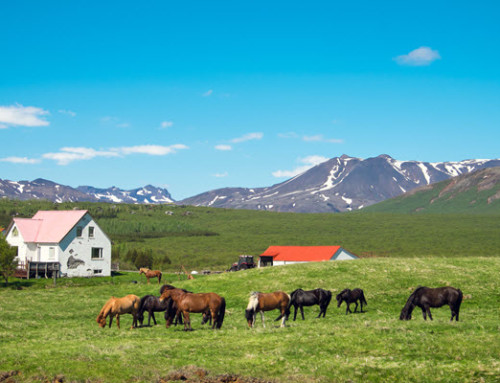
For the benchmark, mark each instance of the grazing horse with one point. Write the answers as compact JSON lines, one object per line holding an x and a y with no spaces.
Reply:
{"x":351,"y":296}
{"x":150,"y":273}
{"x":260,"y":302}
{"x":300,"y":298}
{"x":197,"y":303}
{"x":152,"y":304}
{"x":115,"y":307}
{"x":426,"y":297}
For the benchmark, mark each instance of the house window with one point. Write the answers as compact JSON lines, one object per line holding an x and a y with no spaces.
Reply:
{"x":15,"y":232}
{"x":97,"y":253}
{"x":79,"y":231}
{"x":91,"y":231}
{"x":52,"y":253}
{"x":97,"y":271}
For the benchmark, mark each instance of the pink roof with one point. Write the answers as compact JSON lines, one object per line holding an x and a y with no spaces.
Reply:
{"x":301,"y":253}
{"x":48,"y":226}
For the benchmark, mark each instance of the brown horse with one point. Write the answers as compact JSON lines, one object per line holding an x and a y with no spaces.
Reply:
{"x":115,"y":307}
{"x":150,"y":273}
{"x":265,"y":302}
{"x":206,"y":303}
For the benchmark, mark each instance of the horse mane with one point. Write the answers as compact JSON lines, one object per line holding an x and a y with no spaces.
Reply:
{"x":344,"y":291}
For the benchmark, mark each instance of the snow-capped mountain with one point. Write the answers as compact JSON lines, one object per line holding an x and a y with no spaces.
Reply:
{"x":48,"y":190}
{"x":340,"y":184}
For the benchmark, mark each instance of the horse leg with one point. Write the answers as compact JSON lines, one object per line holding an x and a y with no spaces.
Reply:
{"x":284,"y":317}
{"x":295,"y":313}
{"x":118,"y":320}
{"x":347,"y":310}
{"x":262,"y":318}
{"x":301,"y":312}
{"x":213,"y":314}
{"x":110,"y":320}
{"x":361,"y":304}
{"x":429,"y":312}
{"x":356,"y":308}
{"x":424,"y":313}
{"x":187,"y":321}
{"x":154,"y":319}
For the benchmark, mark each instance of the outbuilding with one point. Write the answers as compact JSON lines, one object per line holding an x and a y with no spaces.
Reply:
{"x":66,"y":241}
{"x":286,"y":255}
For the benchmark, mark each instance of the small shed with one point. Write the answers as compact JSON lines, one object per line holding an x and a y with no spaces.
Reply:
{"x":286,"y":255}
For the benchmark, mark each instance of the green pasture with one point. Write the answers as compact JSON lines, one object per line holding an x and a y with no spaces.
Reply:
{"x":208,"y":238}
{"x":47,"y":331}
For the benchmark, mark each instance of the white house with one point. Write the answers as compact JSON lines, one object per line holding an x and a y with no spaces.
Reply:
{"x":286,"y":255}
{"x":70,"y":237}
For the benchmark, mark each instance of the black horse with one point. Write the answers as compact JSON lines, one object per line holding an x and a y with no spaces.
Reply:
{"x":300,"y":298}
{"x":426,"y":297}
{"x":152,"y":304}
{"x":351,"y":296}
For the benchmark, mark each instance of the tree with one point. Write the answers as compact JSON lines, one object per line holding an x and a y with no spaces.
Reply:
{"x":7,"y":263}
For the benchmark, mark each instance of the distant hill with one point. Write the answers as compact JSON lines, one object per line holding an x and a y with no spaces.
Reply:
{"x":477,"y":192}
{"x":42,"y":189}
{"x":340,"y":184}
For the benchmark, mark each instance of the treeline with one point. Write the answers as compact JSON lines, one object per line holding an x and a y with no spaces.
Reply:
{"x":139,"y":257}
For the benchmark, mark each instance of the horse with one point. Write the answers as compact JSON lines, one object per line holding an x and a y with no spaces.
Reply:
{"x":265,"y":302}
{"x":152,"y":304}
{"x":115,"y":307}
{"x":178,"y":318}
{"x":351,"y":296}
{"x":197,"y":303}
{"x":426,"y":297}
{"x":300,"y":298}
{"x":150,"y":273}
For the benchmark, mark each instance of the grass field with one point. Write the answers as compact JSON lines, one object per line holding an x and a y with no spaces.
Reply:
{"x":46,"y":330}
{"x":209,"y":238}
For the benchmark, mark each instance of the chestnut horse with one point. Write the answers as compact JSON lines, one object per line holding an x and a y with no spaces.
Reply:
{"x":265,"y":302}
{"x":150,"y":273}
{"x":426,"y":297}
{"x":115,"y":307}
{"x":197,"y":303}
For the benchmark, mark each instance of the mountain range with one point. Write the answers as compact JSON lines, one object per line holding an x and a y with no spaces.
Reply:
{"x":340,"y":184}
{"x":48,"y":190}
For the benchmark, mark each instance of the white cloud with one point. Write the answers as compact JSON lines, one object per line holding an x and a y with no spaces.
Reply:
{"x":20,"y":160}
{"x":208,"y":93}
{"x":167,"y":124}
{"x":288,"y":135}
{"x":307,"y":163}
{"x":221,"y":175}
{"x":2,"y":126}
{"x":223,"y":147}
{"x":419,"y":57}
{"x":22,"y":116}
{"x":247,"y":137}
{"x":320,"y":138}
{"x":68,"y":112}
{"x":152,"y":150}
{"x":70,"y":154}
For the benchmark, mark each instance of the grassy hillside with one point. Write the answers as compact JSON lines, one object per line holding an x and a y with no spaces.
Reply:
{"x":474,"y":193}
{"x":209,"y":238}
{"x":48,"y":331}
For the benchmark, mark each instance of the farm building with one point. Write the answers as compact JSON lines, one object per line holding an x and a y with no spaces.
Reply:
{"x":285,"y":255}
{"x":68,"y":242}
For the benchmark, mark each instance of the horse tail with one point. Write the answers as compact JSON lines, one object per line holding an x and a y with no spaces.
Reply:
{"x":459,"y":300}
{"x":287,"y":310}
{"x":221,"y":313}
{"x":140,"y":311}
{"x":363,"y":298}
{"x":328,"y":298}
{"x":159,"y":277}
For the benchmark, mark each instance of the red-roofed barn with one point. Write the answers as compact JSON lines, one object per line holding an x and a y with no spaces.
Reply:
{"x":285,"y":255}
{"x":70,"y":238}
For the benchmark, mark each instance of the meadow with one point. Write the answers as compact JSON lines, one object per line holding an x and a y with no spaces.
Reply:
{"x":47,"y":331}
{"x":208,"y":238}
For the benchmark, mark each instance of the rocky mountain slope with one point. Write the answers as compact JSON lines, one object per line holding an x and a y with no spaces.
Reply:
{"x":340,"y":184}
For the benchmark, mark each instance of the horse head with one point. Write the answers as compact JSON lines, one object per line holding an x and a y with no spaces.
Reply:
{"x":340,"y":296}
{"x":101,"y":320}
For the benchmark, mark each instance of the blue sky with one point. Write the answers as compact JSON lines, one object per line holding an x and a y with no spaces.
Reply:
{"x":198,"y":95}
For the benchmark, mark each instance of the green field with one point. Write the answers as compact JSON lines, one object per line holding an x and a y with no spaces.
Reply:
{"x":47,"y":331}
{"x":208,"y":238}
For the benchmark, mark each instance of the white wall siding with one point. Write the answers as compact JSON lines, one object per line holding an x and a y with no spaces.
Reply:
{"x":76,"y":252}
